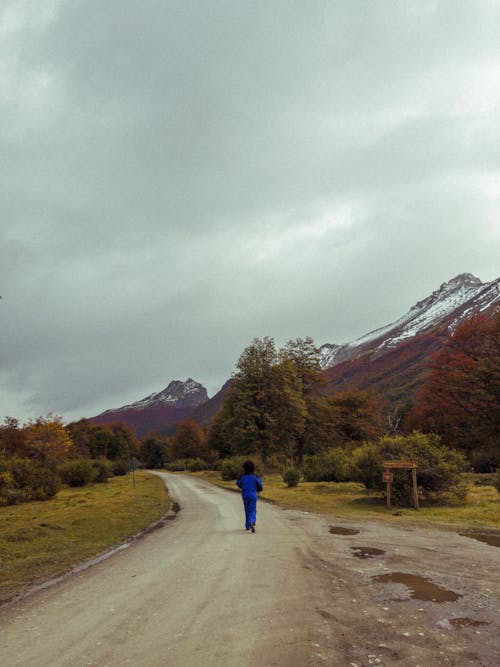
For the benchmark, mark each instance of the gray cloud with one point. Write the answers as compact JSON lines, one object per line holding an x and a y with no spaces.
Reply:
{"x":179,"y":177}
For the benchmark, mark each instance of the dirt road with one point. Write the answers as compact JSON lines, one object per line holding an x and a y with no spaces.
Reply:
{"x":203,"y":591}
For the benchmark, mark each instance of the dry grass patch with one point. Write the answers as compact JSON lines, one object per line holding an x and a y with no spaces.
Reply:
{"x":352,"y":500}
{"x":41,"y":539}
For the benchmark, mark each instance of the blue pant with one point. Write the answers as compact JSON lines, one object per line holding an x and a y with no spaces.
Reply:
{"x":250,"y":503}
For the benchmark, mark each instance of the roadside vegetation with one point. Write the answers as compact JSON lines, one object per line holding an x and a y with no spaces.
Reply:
{"x":317,"y":451}
{"x":41,"y":539}
{"x":352,"y":500}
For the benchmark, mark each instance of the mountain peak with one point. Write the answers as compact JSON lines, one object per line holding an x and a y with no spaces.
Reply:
{"x":178,"y":394}
{"x":463,"y":280}
{"x":455,"y":300}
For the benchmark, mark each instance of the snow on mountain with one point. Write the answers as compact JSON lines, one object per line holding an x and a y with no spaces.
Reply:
{"x":178,"y":395}
{"x":462,"y":296}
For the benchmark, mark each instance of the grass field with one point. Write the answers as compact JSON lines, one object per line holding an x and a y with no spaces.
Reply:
{"x":352,"y":500}
{"x":41,"y":539}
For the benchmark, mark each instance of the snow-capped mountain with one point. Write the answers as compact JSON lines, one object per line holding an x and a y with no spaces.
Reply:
{"x":449,"y":305}
{"x":188,"y":394}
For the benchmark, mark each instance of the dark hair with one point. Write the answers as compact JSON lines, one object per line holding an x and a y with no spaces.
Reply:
{"x":248,"y":467}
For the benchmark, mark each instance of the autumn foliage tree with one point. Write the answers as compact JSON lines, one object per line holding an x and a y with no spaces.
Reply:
{"x":189,"y":441}
{"x":460,"y":401}
{"x":47,"y":439}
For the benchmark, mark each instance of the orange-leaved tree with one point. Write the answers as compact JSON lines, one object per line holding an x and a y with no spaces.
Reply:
{"x":47,"y":439}
{"x":460,"y":400}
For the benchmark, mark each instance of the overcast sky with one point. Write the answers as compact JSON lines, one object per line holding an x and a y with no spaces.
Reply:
{"x":179,"y":177}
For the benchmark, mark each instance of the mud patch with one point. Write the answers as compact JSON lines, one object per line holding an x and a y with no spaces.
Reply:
{"x":340,"y":530}
{"x":466,"y":623}
{"x":366,"y":552}
{"x":491,"y":538}
{"x":420,"y":588}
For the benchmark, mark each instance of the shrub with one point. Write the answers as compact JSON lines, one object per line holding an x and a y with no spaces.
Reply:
{"x":188,"y":464}
{"x":78,"y":472}
{"x":277,"y":463}
{"x":232,"y":468}
{"x":103,"y":470}
{"x":438,"y":473}
{"x":120,"y":467}
{"x":22,"y":480}
{"x":330,"y":466}
{"x":291,"y":477}
{"x":44,"y":484}
{"x":177,"y":465}
{"x":197,"y":464}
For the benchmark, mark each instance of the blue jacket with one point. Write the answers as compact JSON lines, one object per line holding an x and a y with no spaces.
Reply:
{"x":250,"y":485}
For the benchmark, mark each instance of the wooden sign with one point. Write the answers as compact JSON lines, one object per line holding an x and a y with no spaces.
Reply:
{"x":399,"y":464}
{"x":388,"y":477}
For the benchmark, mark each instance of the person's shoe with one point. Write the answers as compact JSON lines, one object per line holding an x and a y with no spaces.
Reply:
{"x":252,"y":526}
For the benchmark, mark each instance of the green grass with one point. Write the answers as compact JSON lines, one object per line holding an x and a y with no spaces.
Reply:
{"x":39,"y":540}
{"x":352,"y":500}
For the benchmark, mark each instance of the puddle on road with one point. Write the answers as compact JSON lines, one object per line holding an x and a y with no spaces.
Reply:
{"x":366,"y":552}
{"x":493,"y":539}
{"x":466,"y":623}
{"x":340,"y":530}
{"x":420,"y":588}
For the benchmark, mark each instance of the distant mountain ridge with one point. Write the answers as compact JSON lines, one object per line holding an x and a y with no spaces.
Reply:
{"x":159,"y":411}
{"x":392,"y":360}
{"x":178,"y":394}
{"x":452,"y":303}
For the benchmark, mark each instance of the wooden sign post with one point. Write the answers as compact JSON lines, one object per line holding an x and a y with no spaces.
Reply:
{"x":387,"y":477}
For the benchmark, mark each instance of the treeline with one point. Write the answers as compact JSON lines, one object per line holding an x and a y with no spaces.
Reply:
{"x":278,"y":410}
{"x":278,"y":403}
{"x":37,"y":458}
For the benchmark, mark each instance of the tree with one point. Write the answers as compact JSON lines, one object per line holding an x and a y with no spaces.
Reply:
{"x":460,"y":399}
{"x":113,"y":441}
{"x":304,"y":356}
{"x":189,"y":440}
{"x":47,"y":439}
{"x":264,"y":410}
{"x":12,"y":438}
{"x":153,"y":451}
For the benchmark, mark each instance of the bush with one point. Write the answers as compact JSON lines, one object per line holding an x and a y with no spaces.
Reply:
{"x":232,"y":468}
{"x":44,"y":484}
{"x":277,"y":463}
{"x":178,"y":465}
{"x":78,"y":472}
{"x":120,"y":467}
{"x":103,"y":470}
{"x":330,"y":466}
{"x":291,"y":477}
{"x":188,"y":464}
{"x":197,"y":464}
{"x":438,"y":472}
{"x":22,"y":480}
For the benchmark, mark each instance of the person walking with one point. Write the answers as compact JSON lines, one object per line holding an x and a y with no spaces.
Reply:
{"x":250,"y":485}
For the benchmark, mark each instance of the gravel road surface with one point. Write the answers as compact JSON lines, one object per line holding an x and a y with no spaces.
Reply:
{"x":202,"y":591}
